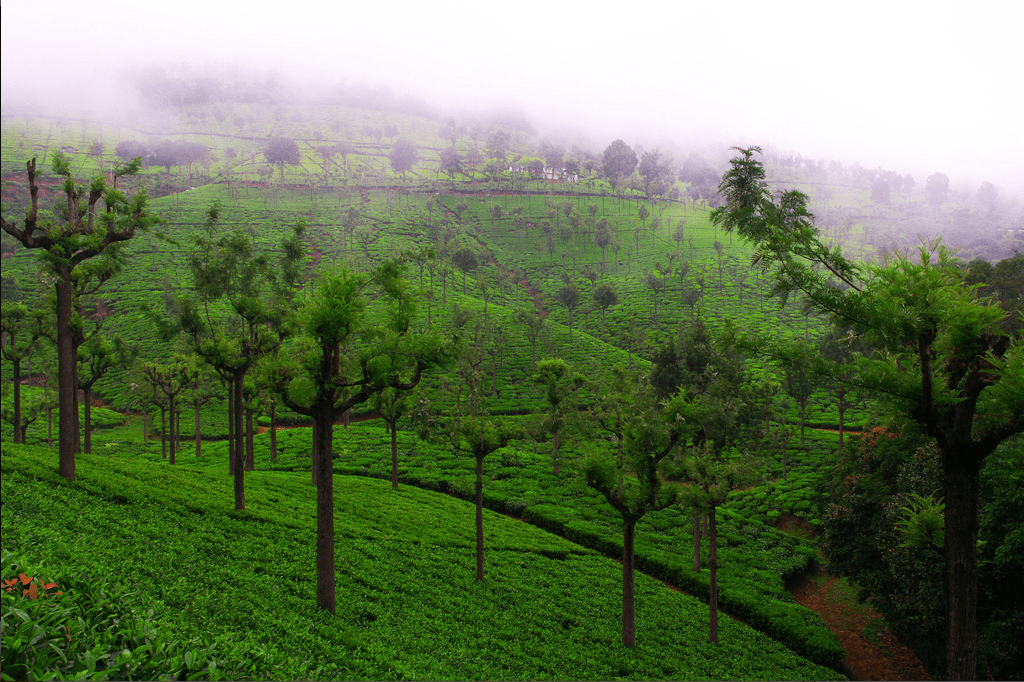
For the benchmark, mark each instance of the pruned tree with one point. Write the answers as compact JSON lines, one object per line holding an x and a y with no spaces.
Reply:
{"x":20,"y":329}
{"x":569,"y":296}
{"x":560,"y":386}
{"x":467,"y":424}
{"x":237,"y":313}
{"x":392,"y":404}
{"x":170,"y":378}
{"x":534,"y":323}
{"x":633,"y":482}
{"x":466,"y":261}
{"x":605,"y":297}
{"x":711,"y":480}
{"x":343,"y":357}
{"x":88,"y":222}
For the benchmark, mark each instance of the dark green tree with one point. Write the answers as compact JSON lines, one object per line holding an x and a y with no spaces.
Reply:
{"x":343,"y":357}
{"x":633,"y":482}
{"x":560,"y":386}
{"x":605,"y":297}
{"x":941,"y":357}
{"x":569,"y":296}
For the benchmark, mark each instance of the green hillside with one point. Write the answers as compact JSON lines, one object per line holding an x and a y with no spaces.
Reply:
{"x":232,"y":594}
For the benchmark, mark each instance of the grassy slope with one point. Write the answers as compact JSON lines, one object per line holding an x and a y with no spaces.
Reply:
{"x":399,"y":221}
{"x":408,"y":604}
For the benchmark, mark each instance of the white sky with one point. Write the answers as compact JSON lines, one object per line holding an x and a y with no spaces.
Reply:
{"x":909,"y":85}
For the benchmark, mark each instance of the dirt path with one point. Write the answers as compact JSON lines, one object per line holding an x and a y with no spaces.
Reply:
{"x":872,"y":652}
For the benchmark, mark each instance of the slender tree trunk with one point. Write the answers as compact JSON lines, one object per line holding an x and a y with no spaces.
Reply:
{"x":322,"y":435}
{"x":172,"y":430}
{"x":628,"y":607}
{"x":67,"y":387}
{"x":479,"y":518}
{"x":961,"y":487}
{"x":231,"y":428}
{"x":239,"y":463}
{"x":713,"y":570}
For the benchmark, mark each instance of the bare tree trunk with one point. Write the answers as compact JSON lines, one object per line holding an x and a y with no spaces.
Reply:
{"x":239,"y":463}
{"x":696,"y":541}
{"x":961,"y":487}
{"x":67,"y":386}
{"x":628,"y":607}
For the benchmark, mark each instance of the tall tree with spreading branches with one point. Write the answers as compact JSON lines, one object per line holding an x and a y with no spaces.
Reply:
{"x":941,"y":356}
{"x":343,"y":357}
{"x":87,"y":222}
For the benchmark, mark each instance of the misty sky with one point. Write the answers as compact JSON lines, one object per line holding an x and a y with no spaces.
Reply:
{"x":909,"y":85}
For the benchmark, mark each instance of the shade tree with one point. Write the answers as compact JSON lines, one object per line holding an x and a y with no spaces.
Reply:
{"x":462,"y":418}
{"x":345,"y":354}
{"x":20,"y":330}
{"x":632,"y":480}
{"x":238,"y":313}
{"x":86,"y":223}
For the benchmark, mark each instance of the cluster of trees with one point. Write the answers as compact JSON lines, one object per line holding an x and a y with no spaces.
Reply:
{"x":166,"y":153}
{"x":688,"y":434}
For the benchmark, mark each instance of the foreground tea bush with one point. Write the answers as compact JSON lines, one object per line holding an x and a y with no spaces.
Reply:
{"x":409,"y":605}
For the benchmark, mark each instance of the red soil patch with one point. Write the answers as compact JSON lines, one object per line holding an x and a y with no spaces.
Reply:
{"x":883,"y":659}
